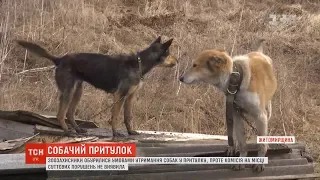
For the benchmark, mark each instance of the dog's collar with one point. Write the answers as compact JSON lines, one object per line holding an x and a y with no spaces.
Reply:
{"x":235,"y":79}
{"x":140,"y":66}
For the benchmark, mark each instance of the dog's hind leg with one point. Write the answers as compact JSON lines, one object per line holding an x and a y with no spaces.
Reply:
{"x":66,"y":83}
{"x":262,"y":128}
{"x":72,"y":107}
{"x":128,"y":114}
{"x":118,"y":100}
{"x":240,"y":139}
{"x":65,"y":99}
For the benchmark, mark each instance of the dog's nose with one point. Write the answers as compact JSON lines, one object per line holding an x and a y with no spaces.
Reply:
{"x":181,"y":78}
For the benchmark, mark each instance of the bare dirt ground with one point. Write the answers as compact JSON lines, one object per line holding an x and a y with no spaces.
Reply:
{"x":124,"y":26}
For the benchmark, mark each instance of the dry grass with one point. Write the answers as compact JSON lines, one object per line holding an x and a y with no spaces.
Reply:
{"x":115,"y":26}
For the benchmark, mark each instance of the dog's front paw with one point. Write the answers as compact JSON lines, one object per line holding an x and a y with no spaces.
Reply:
{"x":231,"y":151}
{"x":67,"y":132}
{"x":117,"y":134}
{"x":133,"y":133}
{"x":80,"y":130}
{"x":258,"y":168}
{"x":238,"y":167}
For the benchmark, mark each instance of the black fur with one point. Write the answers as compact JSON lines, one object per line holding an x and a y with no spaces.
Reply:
{"x":104,"y":71}
{"x":113,"y":74}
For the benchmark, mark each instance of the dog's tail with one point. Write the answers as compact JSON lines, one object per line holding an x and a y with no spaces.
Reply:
{"x":36,"y":49}
{"x":260,"y":45}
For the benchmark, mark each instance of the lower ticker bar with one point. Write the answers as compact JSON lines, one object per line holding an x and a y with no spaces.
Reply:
{"x":88,"y":167}
{"x":121,"y":163}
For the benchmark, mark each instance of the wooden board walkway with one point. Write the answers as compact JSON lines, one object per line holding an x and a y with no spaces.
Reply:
{"x":285,"y":161}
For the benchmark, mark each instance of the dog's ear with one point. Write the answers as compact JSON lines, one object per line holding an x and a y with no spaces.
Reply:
{"x":158,"y":40}
{"x":215,"y":61}
{"x":167,"y":44}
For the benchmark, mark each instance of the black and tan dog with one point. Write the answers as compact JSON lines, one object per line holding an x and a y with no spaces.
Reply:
{"x":120,"y":75}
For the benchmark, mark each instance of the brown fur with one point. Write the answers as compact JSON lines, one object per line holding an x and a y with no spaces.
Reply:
{"x":262,"y":78}
{"x":254,"y":96}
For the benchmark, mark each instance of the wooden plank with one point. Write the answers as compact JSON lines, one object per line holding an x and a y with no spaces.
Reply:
{"x":77,"y":139}
{"x":98,"y":132}
{"x":299,"y":176}
{"x":103,"y":133}
{"x":34,"y":118}
{"x":53,"y":131}
{"x":81,"y":123}
{"x":13,"y":130}
{"x":15,"y":144}
{"x":27,"y":118}
{"x":193,"y":136}
{"x":207,"y":148}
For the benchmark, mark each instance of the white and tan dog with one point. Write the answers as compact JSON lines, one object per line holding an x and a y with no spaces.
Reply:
{"x":255,"y":93}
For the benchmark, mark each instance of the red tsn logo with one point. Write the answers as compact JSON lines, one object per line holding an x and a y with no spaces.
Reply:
{"x":37,"y":153}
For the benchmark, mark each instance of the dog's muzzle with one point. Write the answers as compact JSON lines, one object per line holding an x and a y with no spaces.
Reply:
{"x":186,"y":79}
{"x":181,"y":78}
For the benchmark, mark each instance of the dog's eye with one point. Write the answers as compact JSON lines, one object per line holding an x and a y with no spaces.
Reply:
{"x":194,"y":65}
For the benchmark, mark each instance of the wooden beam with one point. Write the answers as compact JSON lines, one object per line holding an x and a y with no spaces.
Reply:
{"x":299,"y":176}
{"x":34,"y":118}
